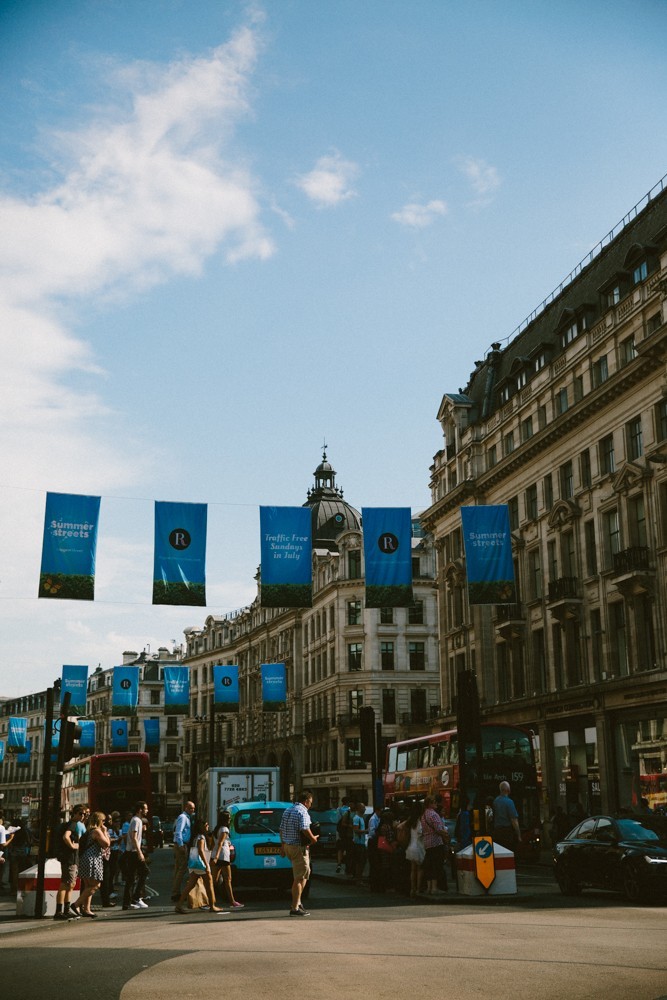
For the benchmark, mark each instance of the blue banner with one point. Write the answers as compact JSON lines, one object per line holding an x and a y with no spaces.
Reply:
{"x":125,"y":691}
{"x":2,"y":751}
{"x":24,"y":758}
{"x":75,"y":680}
{"x":119,"y":734}
{"x":387,"y":556}
{"x":274,"y":687}
{"x":226,"y":687}
{"x":55,"y":739}
{"x":68,"y":548}
{"x":17,"y":735}
{"x":287,"y":557}
{"x":176,"y":690}
{"x":152,"y":733}
{"x":88,"y":737}
{"x":488,"y":548}
{"x":179,"y":569}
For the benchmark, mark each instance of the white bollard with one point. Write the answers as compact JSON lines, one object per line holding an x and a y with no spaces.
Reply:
{"x":504,"y":883}
{"x":26,"y":897}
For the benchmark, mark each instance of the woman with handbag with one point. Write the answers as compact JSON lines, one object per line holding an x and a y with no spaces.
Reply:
{"x":415,"y":852}
{"x":223,"y":859}
{"x":199,"y":867}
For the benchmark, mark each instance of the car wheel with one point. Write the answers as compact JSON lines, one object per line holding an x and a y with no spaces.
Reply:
{"x":568,"y":886}
{"x":632,"y":889}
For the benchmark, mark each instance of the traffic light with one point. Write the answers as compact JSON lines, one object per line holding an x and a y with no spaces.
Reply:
{"x":70,"y":737}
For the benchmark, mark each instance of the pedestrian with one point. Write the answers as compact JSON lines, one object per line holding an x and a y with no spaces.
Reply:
{"x":374,"y":859}
{"x":19,"y":852}
{"x":91,"y":863}
{"x":560,"y":825}
{"x":359,"y":840}
{"x":67,"y":853}
{"x":5,"y":841}
{"x":344,"y":837}
{"x":136,"y":869}
{"x":296,"y":839}
{"x":435,"y":836}
{"x":199,"y":867}
{"x":506,"y":830}
{"x":182,"y":835}
{"x":415,"y":852}
{"x":222,"y":857}
{"x":463,"y":826}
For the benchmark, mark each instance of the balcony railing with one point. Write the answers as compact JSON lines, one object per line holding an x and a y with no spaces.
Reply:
{"x":414,"y":718}
{"x":632,"y":560}
{"x":317,"y":726}
{"x":508,"y":612}
{"x":345,"y":720}
{"x":566,"y":588}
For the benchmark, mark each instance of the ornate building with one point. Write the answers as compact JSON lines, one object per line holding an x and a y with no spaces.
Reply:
{"x":567,"y":424}
{"x":339,"y":657}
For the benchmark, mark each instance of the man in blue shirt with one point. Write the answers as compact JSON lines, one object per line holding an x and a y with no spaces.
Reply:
{"x":506,"y":829}
{"x":296,"y":838}
{"x":182,"y":834}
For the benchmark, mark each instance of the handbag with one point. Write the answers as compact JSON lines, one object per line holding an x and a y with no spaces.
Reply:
{"x":195,"y":862}
{"x":385,"y":845}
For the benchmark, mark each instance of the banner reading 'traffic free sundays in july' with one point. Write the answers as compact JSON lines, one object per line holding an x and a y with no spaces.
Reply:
{"x":68,"y":547}
{"x":179,"y":568}
{"x":287,"y":557}
{"x":176,"y":690}
{"x":488,"y":547}
{"x":387,"y":535}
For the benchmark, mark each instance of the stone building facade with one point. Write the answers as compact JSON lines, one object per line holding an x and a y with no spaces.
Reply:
{"x":567,"y":425}
{"x":339,"y":657}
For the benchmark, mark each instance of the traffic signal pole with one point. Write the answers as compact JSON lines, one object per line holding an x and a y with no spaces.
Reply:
{"x":44,"y":806}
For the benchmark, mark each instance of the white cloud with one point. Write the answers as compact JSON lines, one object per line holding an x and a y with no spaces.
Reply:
{"x":329,"y":182}
{"x":420,"y":216}
{"x":483,"y":178}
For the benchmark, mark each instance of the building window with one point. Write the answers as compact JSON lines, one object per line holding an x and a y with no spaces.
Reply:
{"x":171,"y":782}
{"x":591,"y":548}
{"x":570,"y":334}
{"x":387,"y":655}
{"x":522,"y":379}
{"x":606,"y":455}
{"x":541,"y":417}
{"x":417,"y":656}
{"x":599,"y":371}
{"x":612,"y":534}
{"x":561,"y":401}
{"x":388,"y":706}
{"x":613,"y":296}
{"x":354,"y":612}
{"x":627,"y":351}
{"x":354,"y":655}
{"x":386,"y":616}
{"x":416,"y":613}
{"x":540,"y":361}
{"x":416,"y":568}
{"x":585,"y":468}
{"x":353,"y":759}
{"x":539,"y":662}
{"x":492,"y":456}
{"x":548,"y":490}
{"x":172,"y":725}
{"x":526,"y":429}
{"x":354,"y":564}
{"x":355,"y":701}
{"x":155,"y":697}
{"x":568,"y":554}
{"x":653,"y":323}
{"x":531,"y":502}
{"x":535,"y":574}
{"x":578,"y":387}
{"x":172,"y":753}
{"x":508,"y":443}
{"x":661,"y":420}
{"x":567,"y":481}
{"x":633,"y":437}
{"x":418,"y":705}
{"x":640,"y":273}
{"x":552,"y":557}
{"x":619,"y":639}
{"x":637,"y":521}
{"x":505,"y":393}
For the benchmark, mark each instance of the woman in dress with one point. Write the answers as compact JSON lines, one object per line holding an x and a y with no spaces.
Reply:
{"x":222,"y":858}
{"x":199,"y":867}
{"x":91,"y":862}
{"x":415,"y":851}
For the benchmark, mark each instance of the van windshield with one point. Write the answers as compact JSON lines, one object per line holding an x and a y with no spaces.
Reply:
{"x":258,"y":820}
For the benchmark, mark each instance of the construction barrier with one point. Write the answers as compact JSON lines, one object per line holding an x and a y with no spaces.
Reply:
{"x":26,"y":897}
{"x":504,"y":883}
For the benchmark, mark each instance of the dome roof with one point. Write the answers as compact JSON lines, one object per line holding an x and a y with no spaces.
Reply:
{"x":331,"y":515}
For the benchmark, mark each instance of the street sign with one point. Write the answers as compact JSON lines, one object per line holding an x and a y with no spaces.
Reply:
{"x":485,"y":866}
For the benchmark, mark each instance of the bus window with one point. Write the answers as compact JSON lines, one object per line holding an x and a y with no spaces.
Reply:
{"x":413,"y":758}
{"x":393,"y":754}
{"x":453,"y":752}
{"x":440,"y":754}
{"x":401,"y":762}
{"x":425,"y":756}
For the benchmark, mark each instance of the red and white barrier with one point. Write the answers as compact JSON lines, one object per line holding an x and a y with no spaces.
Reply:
{"x":504,"y":883}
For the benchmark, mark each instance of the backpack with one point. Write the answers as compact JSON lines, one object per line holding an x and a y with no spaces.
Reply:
{"x":344,"y":826}
{"x":84,"y":842}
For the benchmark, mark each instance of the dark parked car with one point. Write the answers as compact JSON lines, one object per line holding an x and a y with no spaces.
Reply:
{"x":624,"y":853}
{"x":158,"y":832}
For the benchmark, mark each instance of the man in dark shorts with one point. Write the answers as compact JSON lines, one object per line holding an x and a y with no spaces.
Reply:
{"x":67,"y":852}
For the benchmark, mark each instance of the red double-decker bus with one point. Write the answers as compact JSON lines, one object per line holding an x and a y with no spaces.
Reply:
{"x":429,"y":765}
{"x":108,"y":782}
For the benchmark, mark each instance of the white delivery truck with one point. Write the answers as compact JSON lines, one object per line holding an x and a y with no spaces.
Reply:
{"x":220,"y":787}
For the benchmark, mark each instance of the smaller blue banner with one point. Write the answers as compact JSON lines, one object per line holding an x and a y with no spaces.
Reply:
{"x":119,"y":734}
{"x":125,"y":691}
{"x":2,"y":751}
{"x":152,"y":733}
{"x":387,"y":535}
{"x":75,"y":680}
{"x":24,"y":758}
{"x":287,"y":557}
{"x":179,"y":565}
{"x":68,"y":548}
{"x":55,"y":739}
{"x":176,"y":690}
{"x":274,"y":687}
{"x":88,"y":734}
{"x":17,"y":735}
{"x":488,"y":549}
{"x":226,"y":687}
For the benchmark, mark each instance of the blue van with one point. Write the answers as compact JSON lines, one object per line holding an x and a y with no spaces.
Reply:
{"x":255,"y":833}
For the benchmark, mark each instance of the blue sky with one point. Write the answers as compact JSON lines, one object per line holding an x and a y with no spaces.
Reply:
{"x":232,"y":231}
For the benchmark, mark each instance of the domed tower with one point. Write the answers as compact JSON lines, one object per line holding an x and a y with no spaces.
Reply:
{"x":331,"y":515}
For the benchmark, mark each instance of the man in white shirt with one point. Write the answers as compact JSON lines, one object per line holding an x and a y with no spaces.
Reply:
{"x":5,"y":838}
{"x":136,"y":869}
